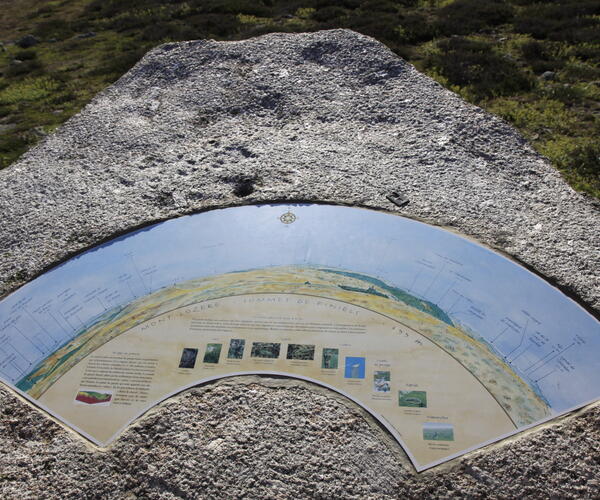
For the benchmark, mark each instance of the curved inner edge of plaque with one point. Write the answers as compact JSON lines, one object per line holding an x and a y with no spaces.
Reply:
{"x":448,"y":344}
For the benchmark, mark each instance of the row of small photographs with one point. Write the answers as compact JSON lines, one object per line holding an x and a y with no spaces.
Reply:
{"x":354,"y":367}
{"x":269,"y":350}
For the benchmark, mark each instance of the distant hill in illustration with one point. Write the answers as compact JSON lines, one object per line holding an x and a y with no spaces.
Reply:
{"x":396,"y":293}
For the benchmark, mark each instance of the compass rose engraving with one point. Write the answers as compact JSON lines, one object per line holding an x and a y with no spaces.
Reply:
{"x":287,"y":218}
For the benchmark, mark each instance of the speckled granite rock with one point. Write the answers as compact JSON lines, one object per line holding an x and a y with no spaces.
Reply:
{"x":330,"y":116}
{"x":251,"y":437}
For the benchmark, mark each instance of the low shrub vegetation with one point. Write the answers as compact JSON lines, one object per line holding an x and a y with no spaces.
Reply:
{"x":477,"y":67}
{"x":533,"y":62}
{"x":463,"y":17}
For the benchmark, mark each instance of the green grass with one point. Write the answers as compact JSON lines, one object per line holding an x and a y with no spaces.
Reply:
{"x":491,"y":52}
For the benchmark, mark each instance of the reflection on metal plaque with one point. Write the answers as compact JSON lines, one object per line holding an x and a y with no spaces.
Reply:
{"x":449,"y":344}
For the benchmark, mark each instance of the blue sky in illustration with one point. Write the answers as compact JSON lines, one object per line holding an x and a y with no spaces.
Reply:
{"x":483,"y":291}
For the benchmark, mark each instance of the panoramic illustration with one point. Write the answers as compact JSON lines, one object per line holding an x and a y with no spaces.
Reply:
{"x":434,"y":338}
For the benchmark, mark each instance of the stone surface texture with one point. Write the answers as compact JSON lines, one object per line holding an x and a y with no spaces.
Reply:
{"x":333,"y":117}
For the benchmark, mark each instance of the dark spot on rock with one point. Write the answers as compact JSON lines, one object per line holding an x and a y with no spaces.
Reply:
{"x":167,"y":47}
{"x":380,"y":118}
{"x":126,"y":182}
{"x":25,"y":433}
{"x":151,"y":160}
{"x":316,"y":51}
{"x":502,"y":238}
{"x":245,"y":152}
{"x":201,"y":120}
{"x":270,"y":101}
{"x":243,"y":185}
{"x":383,"y":74}
{"x":191,"y":162}
{"x":164,"y":198}
{"x":326,"y":119}
{"x":244,"y":188}
{"x":18,"y":277}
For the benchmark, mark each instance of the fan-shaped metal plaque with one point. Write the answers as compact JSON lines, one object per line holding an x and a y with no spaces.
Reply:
{"x":450,"y":345}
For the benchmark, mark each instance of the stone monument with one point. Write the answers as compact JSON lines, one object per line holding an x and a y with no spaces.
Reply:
{"x":331,"y":117}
